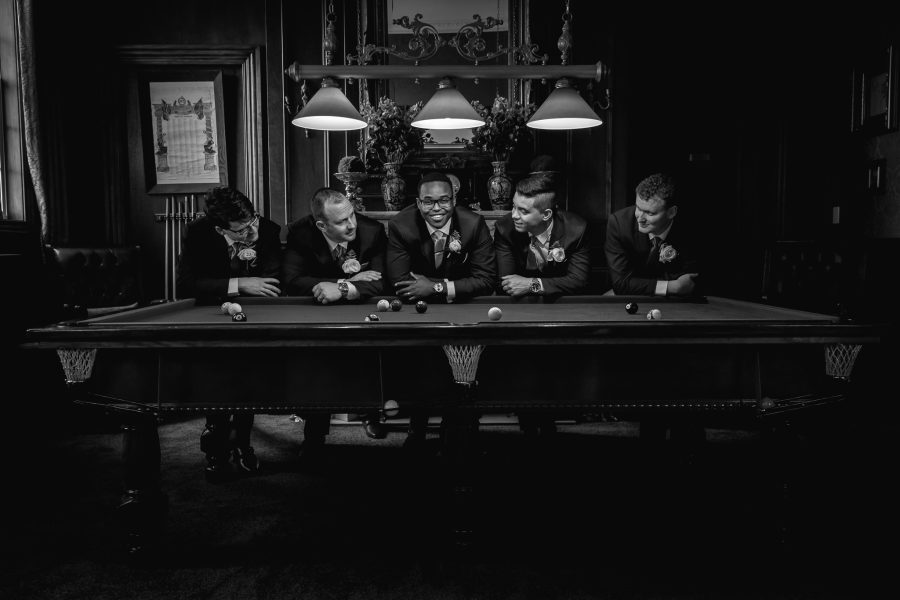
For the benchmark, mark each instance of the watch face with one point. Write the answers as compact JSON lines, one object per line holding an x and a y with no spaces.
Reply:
{"x":439,"y":287}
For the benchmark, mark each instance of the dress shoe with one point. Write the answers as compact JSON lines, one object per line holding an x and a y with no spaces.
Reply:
{"x":218,"y":469}
{"x":374,"y":429}
{"x":245,"y":459}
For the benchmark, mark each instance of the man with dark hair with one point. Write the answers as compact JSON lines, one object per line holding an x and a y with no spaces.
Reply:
{"x":438,"y":252}
{"x":229,"y":251}
{"x":647,"y":254}
{"x":334,"y":255}
{"x":541,"y":251}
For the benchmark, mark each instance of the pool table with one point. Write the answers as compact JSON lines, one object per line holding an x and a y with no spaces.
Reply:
{"x":710,"y":359}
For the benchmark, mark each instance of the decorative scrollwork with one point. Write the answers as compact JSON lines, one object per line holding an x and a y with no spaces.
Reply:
{"x":527,"y":53}
{"x":470,"y":43}
{"x":425,"y":43}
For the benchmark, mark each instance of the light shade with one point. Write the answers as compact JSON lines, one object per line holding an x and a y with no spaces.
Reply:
{"x":329,"y":110}
{"x":447,"y":109}
{"x":564,"y":109}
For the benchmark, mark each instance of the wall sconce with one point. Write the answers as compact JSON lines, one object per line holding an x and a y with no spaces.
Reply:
{"x":329,"y":110}
{"x":564,"y":109}
{"x":447,"y":109}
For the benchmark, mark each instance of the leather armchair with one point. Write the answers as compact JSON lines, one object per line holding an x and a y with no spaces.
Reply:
{"x":92,"y":281}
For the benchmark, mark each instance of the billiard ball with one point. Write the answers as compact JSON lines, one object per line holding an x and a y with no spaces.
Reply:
{"x":654,"y":315}
{"x":391,"y":408}
{"x":421,"y":306}
{"x":372,"y":317}
{"x":396,"y":304}
{"x":495,"y":313}
{"x":383,"y":305}
{"x":235,"y":308}
{"x":631,"y":308}
{"x":225,"y":306}
{"x":239,"y":317}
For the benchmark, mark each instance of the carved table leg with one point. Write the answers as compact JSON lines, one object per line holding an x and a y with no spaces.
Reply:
{"x":143,"y":504}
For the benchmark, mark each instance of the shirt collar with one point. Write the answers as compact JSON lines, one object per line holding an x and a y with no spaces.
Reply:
{"x":544,"y":237}
{"x":445,"y":228}
{"x":332,"y":245}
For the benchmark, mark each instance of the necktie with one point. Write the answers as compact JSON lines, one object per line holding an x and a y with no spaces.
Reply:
{"x":339,"y":252}
{"x":440,"y":240}
{"x":653,"y":258}
{"x":535,"y":260}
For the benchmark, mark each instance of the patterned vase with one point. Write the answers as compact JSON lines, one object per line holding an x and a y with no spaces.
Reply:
{"x":500,"y":189}
{"x":393,"y":187}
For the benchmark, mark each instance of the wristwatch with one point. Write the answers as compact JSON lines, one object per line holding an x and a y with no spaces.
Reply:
{"x":438,"y":287}
{"x":344,"y":288}
{"x":535,"y":285}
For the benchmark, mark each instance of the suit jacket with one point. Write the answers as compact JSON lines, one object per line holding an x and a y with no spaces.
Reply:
{"x":204,"y":266}
{"x":308,"y":259}
{"x":411,"y":249}
{"x":628,"y":253}
{"x":569,"y":232}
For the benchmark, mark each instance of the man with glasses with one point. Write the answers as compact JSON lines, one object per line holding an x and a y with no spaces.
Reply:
{"x":230,"y":251}
{"x":438,"y":252}
{"x":336,"y":256}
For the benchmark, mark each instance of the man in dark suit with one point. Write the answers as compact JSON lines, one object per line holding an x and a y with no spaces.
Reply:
{"x":648,"y":253}
{"x":541,"y":251}
{"x":334,"y":255}
{"x":230,"y":251}
{"x":438,"y":252}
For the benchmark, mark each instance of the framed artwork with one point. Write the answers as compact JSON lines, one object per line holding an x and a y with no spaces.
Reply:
{"x":874,"y":94}
{"x":183,"y":131}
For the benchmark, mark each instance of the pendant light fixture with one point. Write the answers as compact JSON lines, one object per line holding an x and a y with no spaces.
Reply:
{"x":329,"y":110}
{"x":447,"y":109}
{"x":564,"y":109}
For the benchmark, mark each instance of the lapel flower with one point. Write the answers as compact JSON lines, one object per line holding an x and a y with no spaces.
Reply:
{"x":350,"y":264}
{"x":667,"y":253}
{"x":455,"y":245}
{"x":247,"y":254}
{"x":556,"y":253}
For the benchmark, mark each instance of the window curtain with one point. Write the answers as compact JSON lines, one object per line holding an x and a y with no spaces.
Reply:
{"x":30,"y":120}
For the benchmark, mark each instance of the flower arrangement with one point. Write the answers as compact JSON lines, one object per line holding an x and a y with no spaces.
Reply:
{"x":350,"y":265}
{"x":391,"y":136}
{"x":504,"y":127}
{"x":667,"y":253}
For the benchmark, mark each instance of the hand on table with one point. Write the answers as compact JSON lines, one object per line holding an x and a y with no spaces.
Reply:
{"x":515,"y":285}
{"x":326,"y":291}
{"x":258,"y":286}
{"x":418,"y":287}
{"x":682,"y":286}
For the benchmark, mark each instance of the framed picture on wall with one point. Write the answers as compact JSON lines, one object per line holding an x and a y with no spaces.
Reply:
{"x":183,"y":131}
{"x":874,"y":93}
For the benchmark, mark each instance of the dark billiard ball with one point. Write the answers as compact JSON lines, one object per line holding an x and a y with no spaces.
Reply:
{"x":421,"y":306}
{"x":631,"y":308}
{"x":396,"y":304}
{"x":372,"y":317}
{"x":239,"y":316}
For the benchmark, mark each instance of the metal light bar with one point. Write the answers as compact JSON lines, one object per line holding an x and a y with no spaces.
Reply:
{"x":298,"y":72}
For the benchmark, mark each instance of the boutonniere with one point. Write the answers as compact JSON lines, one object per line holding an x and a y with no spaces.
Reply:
{"x":350,"y":264}
{"x":667,"y":253}
{"x":248,"y":255}
{"x":455,"y":245}
{"x":556,"y":253}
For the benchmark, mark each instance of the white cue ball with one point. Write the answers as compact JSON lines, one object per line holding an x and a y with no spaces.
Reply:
{"x":225,"y":306}
{"x":383,"y":305}
{"x":495,"y":313}
{"x":654,"y":315}
{"x":234,"y":308}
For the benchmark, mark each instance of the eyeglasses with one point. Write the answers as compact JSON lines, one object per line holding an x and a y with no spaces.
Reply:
{"x":443,"y":202}
{"x":246,"y":228}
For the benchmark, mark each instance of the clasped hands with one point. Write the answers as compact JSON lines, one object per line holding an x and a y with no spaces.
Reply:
{"x":417,"y":287}
{"x":328,"y":291}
